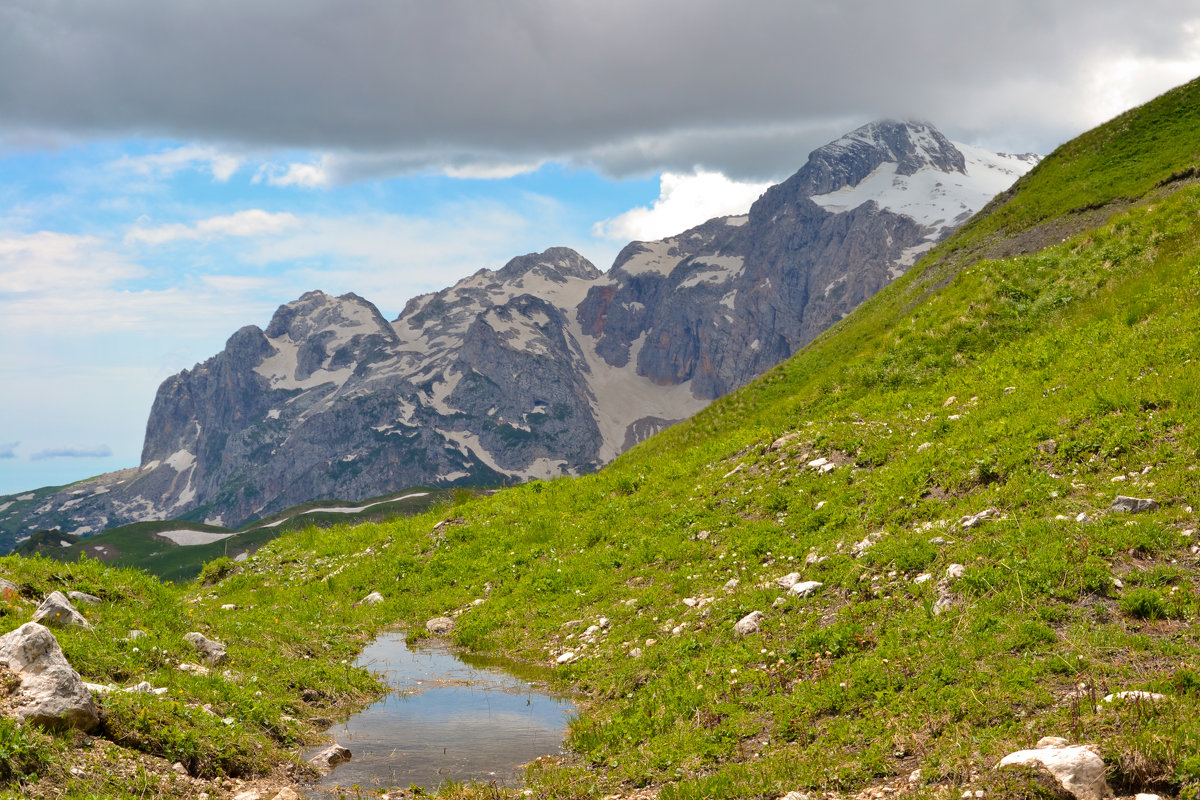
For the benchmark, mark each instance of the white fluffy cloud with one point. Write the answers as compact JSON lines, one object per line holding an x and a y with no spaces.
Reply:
{"x":684,"y":201}
{"x":252,"y":222}
{"x":312,"y":175}
{"x":167,"y":163}
{"x":48,"y":262}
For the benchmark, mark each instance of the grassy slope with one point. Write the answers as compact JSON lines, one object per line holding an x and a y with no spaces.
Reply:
{"x":1072,"y":374}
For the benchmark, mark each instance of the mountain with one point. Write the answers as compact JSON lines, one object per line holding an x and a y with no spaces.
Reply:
{"x":543,"y":368}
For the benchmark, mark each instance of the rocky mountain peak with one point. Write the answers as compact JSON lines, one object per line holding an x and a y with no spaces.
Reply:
{"x":911,"y":145}
{"x":316,"y":311}
{"x":556,"y":264}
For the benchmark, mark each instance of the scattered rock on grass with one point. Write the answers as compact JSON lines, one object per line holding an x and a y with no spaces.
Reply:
{"x":1134,"y":505}
{"x":373,"y":599}
{"x":1076,"y":767}
{"x":1135,"y":696}
{"x":787,"y":581}
{"x":57,"y":610}
{"x":211,"y":651}
{"x":439,"y":626}
{"x":805,"y":588}
{"x":84,"y":597}
{"x":748,"y":624}
{"x":971,"y":520}
{"x":51,"y":693}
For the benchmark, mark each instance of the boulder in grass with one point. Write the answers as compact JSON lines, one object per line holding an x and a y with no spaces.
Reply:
{"x":1133,"y":505}
{"x":1076,"y":767}
{"x":56,"y":610}
{"x":85,"y":598}
{"x":439,"y":626}
{"x":373,"y":599}
{"x":51,"y":693}
{"x":211,"y":651}
{"x":749,"y":624}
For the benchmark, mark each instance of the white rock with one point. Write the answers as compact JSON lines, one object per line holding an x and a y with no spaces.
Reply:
{"x":923,"y":446}
{"x":924,"y":576}
{"x":805,"y":588}
{"x":51,"y":693}
{"x":748,"y":624}
{"x":635,"y":652}
{"x":1077,"y":768}
{"x":817,"y":463}
{"x":57,"y":610}
{"x":788,"y":581}
{"x":972,"y":520}
{"x":1082,"y":517}
{"x":373,"y":599}
{"x":1135,"y":696}
{"x":439,"y":626}
{"x":955,"y":571}
{"x":229,"y":607}
{"x":731,"y":584}
{"x":565,"y":658}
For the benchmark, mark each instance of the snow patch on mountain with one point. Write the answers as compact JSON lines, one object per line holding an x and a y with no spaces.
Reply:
{"x":937,"y":199}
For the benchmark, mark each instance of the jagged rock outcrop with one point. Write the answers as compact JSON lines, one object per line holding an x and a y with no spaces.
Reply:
{"x":542,"y":368}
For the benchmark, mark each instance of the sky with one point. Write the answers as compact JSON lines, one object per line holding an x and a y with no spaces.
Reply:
{"x":171,"y":172}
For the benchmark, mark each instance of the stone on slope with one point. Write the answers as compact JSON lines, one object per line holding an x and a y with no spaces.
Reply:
{"x":51,"y":693}
{"x":57,"y":610}
{"x":439,"y":626}
{"x":805,"y":588}
{"x":373,"y":599}
{"x":787,"y":581}
{"x":748,"y":624}
{"x":211,"y":651}
{"x":972,"y":520}
{"x":1077,"y":767}
{"x":1134,"y":505}
{"x":85,"y":598}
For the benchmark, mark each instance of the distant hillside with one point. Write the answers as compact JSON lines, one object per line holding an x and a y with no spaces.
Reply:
{"x":543,"y":368}
{"x":175,"y":550}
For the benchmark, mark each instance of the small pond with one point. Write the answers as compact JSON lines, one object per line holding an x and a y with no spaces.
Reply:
{"x":448,"y":717}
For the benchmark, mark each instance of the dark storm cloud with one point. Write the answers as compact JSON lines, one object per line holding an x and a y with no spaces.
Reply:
{"x":626,"y":85}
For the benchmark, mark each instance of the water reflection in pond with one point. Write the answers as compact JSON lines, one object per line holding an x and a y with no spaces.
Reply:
{"x":449,"y":717}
